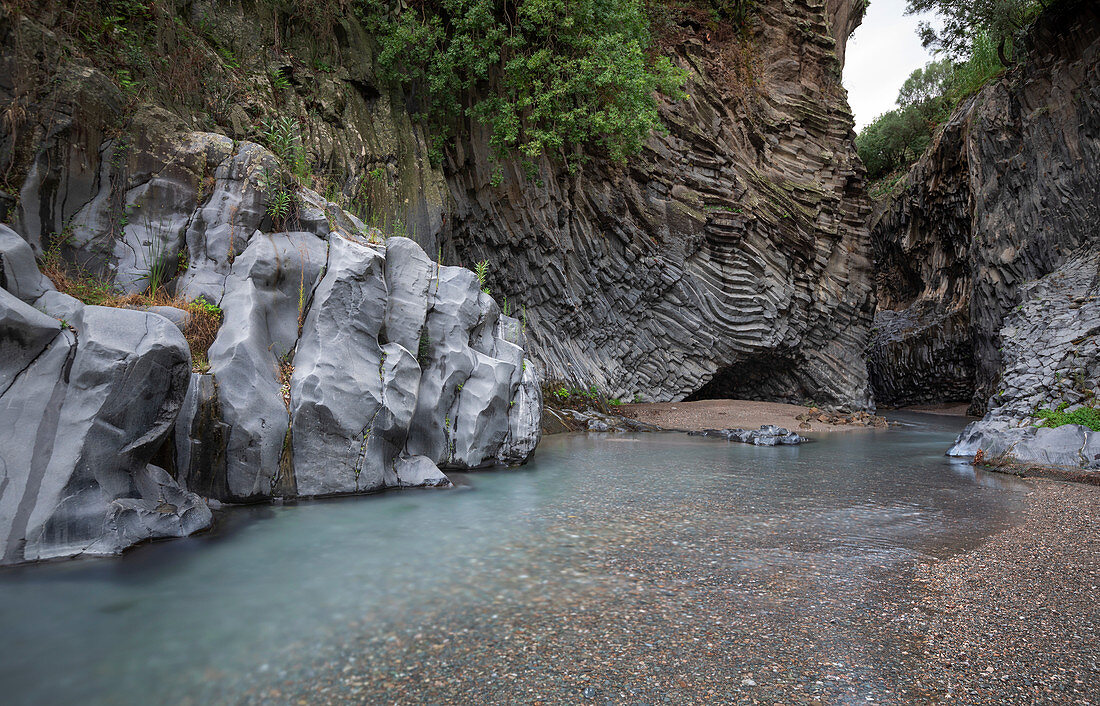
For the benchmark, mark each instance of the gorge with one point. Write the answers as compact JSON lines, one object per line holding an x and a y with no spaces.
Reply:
{"x":249,"y":264}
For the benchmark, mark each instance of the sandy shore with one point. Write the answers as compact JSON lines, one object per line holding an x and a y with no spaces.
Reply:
{"x":725,"y":414}
{"x":1016,"y":620}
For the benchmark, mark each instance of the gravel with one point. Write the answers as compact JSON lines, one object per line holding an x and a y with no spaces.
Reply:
{"x":668,"y":610}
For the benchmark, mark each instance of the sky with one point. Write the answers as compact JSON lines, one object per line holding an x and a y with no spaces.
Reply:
{"x":881,"y":54}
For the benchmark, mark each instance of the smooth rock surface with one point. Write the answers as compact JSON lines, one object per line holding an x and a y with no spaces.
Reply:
{"x":83,"y":409}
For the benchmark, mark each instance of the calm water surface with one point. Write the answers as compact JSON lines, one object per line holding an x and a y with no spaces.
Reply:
{"x":283,"y":595}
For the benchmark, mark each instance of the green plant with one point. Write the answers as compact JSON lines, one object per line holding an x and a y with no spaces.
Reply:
{"x":481,"y":269}
{"x":1085,"y":416}
{"x":279,"y":79}
{"x":283,"y":137}
{"x":545,"y":76}
{"x":278,"y":206}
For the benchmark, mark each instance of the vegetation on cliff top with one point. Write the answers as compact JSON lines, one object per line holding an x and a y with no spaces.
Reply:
{"x":977,"y":42}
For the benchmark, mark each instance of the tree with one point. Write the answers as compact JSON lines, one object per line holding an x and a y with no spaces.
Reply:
{"x":926,"y":84}
{"x":1002,"y":20}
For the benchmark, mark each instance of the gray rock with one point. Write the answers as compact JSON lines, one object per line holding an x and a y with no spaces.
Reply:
{"x":337,"y":387}
{"x":266,"y":294}
{"x":78,"y":427}
{"x":200,"y":440}
{"x":409,"y":276}
{"x":766,"y":435}
{"x":19,"y":273}
{"x":419,"y":471}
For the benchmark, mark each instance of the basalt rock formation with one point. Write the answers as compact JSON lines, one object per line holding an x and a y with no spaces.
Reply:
{"x":346,"y":362}
{"x":729,"y":259}
{"x":1008,"y":193}
{"x":1051,"y":359}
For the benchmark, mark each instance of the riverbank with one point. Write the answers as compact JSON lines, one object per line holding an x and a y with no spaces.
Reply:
{"x":1014,"y":618}
{"x":735,"y":414}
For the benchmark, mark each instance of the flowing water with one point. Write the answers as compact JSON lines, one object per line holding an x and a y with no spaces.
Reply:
{"x":649,"y":542}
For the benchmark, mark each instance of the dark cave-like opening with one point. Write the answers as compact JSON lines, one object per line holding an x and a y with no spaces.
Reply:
{"x":769,"y":377}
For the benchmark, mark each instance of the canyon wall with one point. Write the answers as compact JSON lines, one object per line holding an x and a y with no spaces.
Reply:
{"x":1008,"y":193}
{"x":729,"y":259}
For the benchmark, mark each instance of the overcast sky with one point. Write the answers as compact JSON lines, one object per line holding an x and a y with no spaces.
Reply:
{"x":881,"y":54}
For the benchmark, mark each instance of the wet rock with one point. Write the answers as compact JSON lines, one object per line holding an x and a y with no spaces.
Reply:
{"x":766,"y":435}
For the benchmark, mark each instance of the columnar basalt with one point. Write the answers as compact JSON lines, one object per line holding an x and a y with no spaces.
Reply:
{"x":1006,"y":194}
{"x":730,"y":258}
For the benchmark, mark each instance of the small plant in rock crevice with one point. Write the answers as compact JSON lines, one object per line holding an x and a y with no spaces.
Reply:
{"x":481,"y":269}
{"x":1085,"y":416}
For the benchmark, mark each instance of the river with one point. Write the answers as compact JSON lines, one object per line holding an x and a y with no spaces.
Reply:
{"x":629,"y":569}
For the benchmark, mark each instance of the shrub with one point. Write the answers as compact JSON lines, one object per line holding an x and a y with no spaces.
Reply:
{"x":1085,"y":416}
{"x":546,"y":76}
{"x":203,"y":323}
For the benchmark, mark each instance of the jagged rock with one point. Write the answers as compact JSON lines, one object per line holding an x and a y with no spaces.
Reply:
{"x":1008,"y":191}
{"x":766,"y":435}
{"x":83,"y":409}
{"x":1051,"y":359}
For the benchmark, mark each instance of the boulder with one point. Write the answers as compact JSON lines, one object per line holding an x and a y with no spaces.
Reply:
{"x":79,"y":423}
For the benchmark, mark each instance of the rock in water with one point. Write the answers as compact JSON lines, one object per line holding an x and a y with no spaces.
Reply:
{"x":84,"y":404}
{"x":766,"y":435}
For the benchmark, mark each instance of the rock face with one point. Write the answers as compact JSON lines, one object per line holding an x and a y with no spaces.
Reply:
{"x":87,"y":396}
{"x":1006,"y":194}
{"x":731,"y":258}
{"x":1051,"y":359}
{"x":346,"y":362}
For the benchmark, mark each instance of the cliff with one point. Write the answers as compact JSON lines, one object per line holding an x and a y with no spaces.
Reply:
{"x":1007,"y":193}
{"x":729,"y":259}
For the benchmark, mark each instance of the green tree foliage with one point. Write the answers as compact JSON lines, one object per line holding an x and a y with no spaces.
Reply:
{"x":976,"y":42}
{"x":926,"y":99}
{"x":545,"y":76}
{"x":1001,"y":21}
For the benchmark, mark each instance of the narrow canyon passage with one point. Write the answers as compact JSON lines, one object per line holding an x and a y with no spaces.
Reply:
{"x":618,"y":569}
